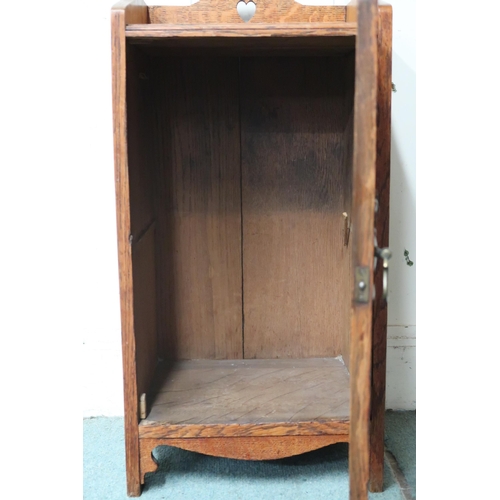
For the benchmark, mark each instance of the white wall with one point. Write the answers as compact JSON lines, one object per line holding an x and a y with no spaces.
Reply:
{"x":401,"y":350}
{"x":58,"y":217}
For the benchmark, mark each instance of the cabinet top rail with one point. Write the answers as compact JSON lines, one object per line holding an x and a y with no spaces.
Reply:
{"x":237,"y":18}
{"x":237,"y":30}
{"x":241,"y":13}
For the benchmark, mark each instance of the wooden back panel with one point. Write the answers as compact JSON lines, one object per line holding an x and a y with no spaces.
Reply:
{"x":199,"y":208}
{"x":224,"y":11}
{"x":296,"y":167}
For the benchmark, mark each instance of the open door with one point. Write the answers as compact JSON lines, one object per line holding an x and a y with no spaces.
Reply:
{"x":363,"y":203}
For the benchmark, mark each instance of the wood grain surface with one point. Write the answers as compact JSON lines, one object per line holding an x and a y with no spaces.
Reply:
{"x":351,"y":11}
{"x":199,"y":208}
{"x":297,"y":46}
{"x":148,"y":462}
{"x":379,"y":349}
{"x":349,"y":63}
{"x":248,"y":397}
{"x":364,"y":161}
{"x":242,"y":448}
{"x":140,"y":134}
{"x":141,"y":168}
{"x":294,"y":162}
{"x":144,"y":275}
{"x":126,"y":11}
{"x":189,"y":431}
{"x":224,"y":12}
{"x":239,"y":30}
{"x":219,"y":234}
{"x":130,"y":12}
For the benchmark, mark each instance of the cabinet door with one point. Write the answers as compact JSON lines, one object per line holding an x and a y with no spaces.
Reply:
{"x":364,"y":157}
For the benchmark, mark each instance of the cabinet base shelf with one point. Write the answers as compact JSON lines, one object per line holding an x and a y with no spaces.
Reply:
{"x":248,"y":398}
{"x":259,"y":409}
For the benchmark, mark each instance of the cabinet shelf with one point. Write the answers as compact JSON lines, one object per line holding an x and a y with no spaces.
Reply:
{"x":338,"y":29}
{"x":257,"y":397}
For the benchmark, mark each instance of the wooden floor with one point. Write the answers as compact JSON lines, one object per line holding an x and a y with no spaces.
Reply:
{"x":259,"y":391}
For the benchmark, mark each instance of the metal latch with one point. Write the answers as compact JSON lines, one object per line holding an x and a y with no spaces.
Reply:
{"x":362,"y":284}
{"x":362,"y":277}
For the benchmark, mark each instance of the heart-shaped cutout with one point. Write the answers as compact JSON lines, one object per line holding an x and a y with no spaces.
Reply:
{"x":246,"y":10}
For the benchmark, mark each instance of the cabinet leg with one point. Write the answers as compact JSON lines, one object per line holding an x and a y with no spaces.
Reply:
{"x":148,"y":462}
{"x":133,"y":487}
{"x":132,"y":461}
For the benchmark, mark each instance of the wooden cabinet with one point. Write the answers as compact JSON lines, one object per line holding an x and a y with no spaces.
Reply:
{"x":249,"y":154}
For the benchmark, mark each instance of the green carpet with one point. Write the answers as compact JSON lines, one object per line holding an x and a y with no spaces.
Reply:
{"x":321,"y":474}
{"x":401,"y":440}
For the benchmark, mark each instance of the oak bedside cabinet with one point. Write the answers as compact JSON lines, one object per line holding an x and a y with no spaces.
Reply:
{"x":252,"y":144}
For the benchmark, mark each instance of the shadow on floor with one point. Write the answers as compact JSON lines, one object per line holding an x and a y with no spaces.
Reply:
{"x":317,"y":475}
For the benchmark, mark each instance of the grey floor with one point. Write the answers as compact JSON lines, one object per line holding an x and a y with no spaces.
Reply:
{"x":321,"y":474}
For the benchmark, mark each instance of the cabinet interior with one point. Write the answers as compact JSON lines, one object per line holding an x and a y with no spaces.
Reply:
{"x":240,"y":173}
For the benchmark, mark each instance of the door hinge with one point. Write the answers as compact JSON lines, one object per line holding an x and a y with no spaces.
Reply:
{"x":142,"y":406}
{"x":362,"y":284}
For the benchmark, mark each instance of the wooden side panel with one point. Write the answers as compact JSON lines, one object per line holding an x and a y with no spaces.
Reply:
{"x":141,"y":171}
{"x":140,"y":130}
{"x":382,"y":226}
{"x":125,"y":11}
{"x":143,"y":261}
{"x":130,"y":12}
{"x":224,"y":11}
{"x":294,"y":161}
{"x":199,"y":209}
{"x":364,"y":158}
{"x":351,"y":12}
